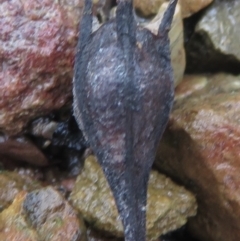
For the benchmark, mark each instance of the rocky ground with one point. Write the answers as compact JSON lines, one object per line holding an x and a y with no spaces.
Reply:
{"x":51,"y":185}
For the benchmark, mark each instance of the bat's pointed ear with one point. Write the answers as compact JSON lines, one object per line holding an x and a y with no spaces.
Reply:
{"x":126,"y":26}
{"x":85,"y":30}
{"x":85,"y":26}
{"x":166,"y":22}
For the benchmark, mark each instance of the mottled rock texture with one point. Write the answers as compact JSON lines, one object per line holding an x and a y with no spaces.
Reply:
{"x":189,"y":7}
{"x":37,"y":48}
{"x":200,"y":148}
{"x":11,"y":183}
{"x":168,"y":206}
{"x":41,"y":215}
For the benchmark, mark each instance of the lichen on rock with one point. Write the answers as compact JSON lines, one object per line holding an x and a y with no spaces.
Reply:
{"x":42,"y":214}
{"x":168,"y":208}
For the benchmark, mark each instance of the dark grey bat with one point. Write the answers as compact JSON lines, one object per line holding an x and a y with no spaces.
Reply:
{"x":123,"y":94}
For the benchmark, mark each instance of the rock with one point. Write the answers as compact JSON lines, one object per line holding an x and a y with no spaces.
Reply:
{"x":176,"y":40}
{"x":103,"y":8}
{"x":41,"y":215}
{"x":215,"y":44}
{"x":59,"y":139}
{"x":13,"y":226}
{"x":11,"y":184}
{"x":189,"y":7}
{"x":20,"y":149}
{"x":52,"y":216}
{"x":200,"y":148}
{"x":43,"y":127}
{"x":148,"y":8}
{"x":37,"y":48}
{"x":168,"y":204}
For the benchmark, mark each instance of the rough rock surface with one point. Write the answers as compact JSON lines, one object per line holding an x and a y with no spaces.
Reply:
{"x":176,"y":40}
{"x":11,"y":183}
{"x":215,"y":44}
{"x":201,"y":149}
{"x":189,"y":7}
{"x":168,"y":204}
{"x":13,"y":225}
{"x":37,"y":45}
{"x":150,"y":7}
{"x":41,"y":215}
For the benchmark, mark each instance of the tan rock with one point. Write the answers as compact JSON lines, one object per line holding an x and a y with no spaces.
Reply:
{"x":150,"y":7}
{"x":37,"y":50}
{"x":168,"y":205}
{"x":189,"y":7}
{"x":201,"y":149}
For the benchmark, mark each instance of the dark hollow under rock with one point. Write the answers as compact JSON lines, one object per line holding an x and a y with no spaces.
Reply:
{"x":60,"y":139}
{"x":178,"y":235}
{"x":68,"y":144}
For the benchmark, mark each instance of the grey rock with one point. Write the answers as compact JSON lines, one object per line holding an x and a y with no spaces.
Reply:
{"x":215,"y":44}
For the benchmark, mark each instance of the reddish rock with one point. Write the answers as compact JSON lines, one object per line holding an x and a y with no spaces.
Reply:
{"x":201,"y":148}
{"x":37,"y":43}
{"x":14,"y":149}
{"x":41,"y":215}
